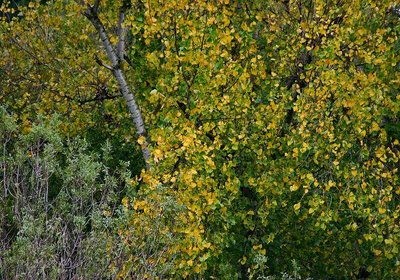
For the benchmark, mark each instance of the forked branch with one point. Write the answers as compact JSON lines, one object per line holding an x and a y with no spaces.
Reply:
{"x":116,"y":55}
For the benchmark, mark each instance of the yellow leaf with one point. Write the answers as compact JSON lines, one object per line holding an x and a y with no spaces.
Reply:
{"x":125,"y":202}
{"x":297,"y":206}
{"x":141,"y":140}
{"x":377,"y":252}
{"x":294,"y":187}
{"x":158,"y":154}
{"x":251,"y":182}
{"x":197,"y":269}
{"x":389,"y":241}
{"x":375,"y":127}
{"x":350,"y":103}
{"x":330,"y":185}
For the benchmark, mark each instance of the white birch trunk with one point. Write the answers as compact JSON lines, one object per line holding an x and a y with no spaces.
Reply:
{"x":115,"y":57}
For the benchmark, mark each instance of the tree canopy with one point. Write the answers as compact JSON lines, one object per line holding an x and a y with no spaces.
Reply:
{"x":258,"y":132}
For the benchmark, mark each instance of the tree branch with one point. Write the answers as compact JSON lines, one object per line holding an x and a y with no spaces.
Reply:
{"x":91,"y":13}
{"x":101,"y":63}
{"x":96,"y":5}
{"x":121,"y":32}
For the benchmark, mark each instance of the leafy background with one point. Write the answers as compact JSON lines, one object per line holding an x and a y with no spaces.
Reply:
{"x":273,"y":129}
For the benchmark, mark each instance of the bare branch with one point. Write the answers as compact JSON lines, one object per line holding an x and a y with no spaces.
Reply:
{"x":101,"y":63}
{"x":121,"y":34}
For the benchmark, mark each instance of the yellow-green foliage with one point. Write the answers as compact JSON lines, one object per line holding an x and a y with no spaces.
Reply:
{"x":266,"y":125}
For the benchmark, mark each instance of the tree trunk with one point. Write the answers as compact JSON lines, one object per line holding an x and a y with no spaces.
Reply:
{"x":91,"y":13}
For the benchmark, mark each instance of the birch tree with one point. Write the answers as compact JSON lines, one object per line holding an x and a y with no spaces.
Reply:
{"x":115,"y":54}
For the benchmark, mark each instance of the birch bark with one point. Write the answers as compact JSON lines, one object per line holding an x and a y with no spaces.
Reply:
{"x":115,"y":57}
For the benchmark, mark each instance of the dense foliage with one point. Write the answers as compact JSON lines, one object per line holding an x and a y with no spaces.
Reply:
{"x":272,"y":127}
{"x":59,"y":204}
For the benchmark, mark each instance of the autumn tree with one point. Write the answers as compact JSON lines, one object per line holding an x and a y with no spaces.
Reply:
{"x":271,"y":127}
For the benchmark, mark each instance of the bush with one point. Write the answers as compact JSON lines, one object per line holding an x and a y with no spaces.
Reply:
{"x":59,"y":205}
